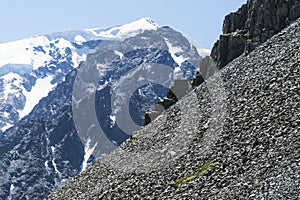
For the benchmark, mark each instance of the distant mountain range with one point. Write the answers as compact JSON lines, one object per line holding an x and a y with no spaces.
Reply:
{"x":32,"y":67}
{"x":44,"y":80}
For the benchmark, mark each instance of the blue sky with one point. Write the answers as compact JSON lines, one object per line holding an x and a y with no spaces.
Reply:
{"x":201,"y":20}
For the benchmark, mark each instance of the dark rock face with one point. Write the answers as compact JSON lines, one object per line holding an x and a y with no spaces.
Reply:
{"x":180,"y":88}
{"x":252,"y":25}
{"x":243,"y":122}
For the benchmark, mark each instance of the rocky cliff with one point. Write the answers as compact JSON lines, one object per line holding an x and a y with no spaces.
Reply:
{"x":234,"y":137}
{"x":254,"y":23}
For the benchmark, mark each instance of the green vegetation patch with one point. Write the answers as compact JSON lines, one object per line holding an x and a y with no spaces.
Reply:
{"x":185,"y":180}
{"x":133,"y":141}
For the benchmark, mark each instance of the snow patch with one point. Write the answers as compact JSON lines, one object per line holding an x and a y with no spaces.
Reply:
{"x":113,"y":120}
{"x":39,"y":91}
{"x":141,"y":78}
{"x":53,"y":161}
{"x":62,"y":43}
{"x":55,"y":166}
{"x":120,"y":54}
{"x":12,"y":187}
{"x":79,"y":39}
{"x":201,"y":51}
{"x":140,"y":92}
{"x":46,"y":164}
{"x":7,"y":126}
{"x":177,"y":73}
{"x":175,"y":50}
{"x":5,"y":114}
{"x":125,"y":31}
{"x":88,"y":151}
{"x":53,"y":149}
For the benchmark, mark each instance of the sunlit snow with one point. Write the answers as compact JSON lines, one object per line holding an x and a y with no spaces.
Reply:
{"x":113,"y":120}
{"x":88,"y":151}
{"x":53,"y":161}
{"x":12,"y":187}
{"x":173,"y":51}
{"x":120,"y":54}
{"x":7,"y":126}
{"x":21,"y":52}
{"x":79,"y":39}
{"x":40,"y":90}
{"x":9,"y":80}
{"x":127,"y":30}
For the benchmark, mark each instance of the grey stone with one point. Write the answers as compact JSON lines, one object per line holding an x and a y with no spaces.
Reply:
{"x":253,"y":24}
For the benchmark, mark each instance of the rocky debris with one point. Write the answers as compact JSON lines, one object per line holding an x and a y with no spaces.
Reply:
{"x":254,"y":23}
{"x":245,"y":118}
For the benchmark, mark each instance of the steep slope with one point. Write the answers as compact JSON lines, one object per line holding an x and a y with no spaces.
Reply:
{"x":234,"y":137}
{"x":55,"y":141}
{"x":254,"y":23}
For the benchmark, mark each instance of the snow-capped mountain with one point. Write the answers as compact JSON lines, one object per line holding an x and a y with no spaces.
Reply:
{"x":32,"y":67}
{"x":45,"y":148}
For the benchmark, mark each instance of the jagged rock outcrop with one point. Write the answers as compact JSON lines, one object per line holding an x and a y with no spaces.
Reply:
{"x":175,"y":92}
{"x":235,"y":136}
{"x":254,"y":23}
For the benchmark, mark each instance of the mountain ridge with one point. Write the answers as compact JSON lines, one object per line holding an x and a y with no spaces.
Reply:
{"x":48,"y":59}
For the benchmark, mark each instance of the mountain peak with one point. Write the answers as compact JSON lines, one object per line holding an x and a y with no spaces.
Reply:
{"x":146,"y":20}
{"x":126,"y":30}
